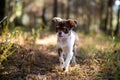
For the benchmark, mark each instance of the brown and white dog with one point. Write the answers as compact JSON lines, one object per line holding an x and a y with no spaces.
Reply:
{"x":66,"y":41}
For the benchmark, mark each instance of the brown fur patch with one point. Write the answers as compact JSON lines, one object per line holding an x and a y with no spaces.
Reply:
{"x":59,"y":51}
{"x":72,"y":23}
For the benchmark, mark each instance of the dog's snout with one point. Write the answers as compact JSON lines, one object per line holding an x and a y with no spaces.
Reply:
{"x":60,"y":33}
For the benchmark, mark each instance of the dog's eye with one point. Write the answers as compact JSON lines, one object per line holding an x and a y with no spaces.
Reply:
{"x":66,"y":30}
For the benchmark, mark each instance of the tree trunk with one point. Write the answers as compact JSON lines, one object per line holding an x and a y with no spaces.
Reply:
{"x":55,"y":8}
{"x":55,"y":13}
{"x":106,"y":23}
{"x":102,"y":18}
{"x":62,"y":9}
{"x":43,"y":16}
{"x":118,"y":23}
{"x":110,"y":18}
{"x":106,"y":20}
{"x":68,"y":9}
{"x":2,"y":11}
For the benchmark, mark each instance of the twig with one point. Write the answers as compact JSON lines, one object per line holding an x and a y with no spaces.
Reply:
{"x":3,"y":19}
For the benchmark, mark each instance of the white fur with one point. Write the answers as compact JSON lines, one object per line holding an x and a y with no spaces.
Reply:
{"x":66,"y":43}
{"x":57,"y":19}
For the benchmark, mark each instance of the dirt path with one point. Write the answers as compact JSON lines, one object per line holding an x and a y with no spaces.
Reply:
{"x":40,"y":61}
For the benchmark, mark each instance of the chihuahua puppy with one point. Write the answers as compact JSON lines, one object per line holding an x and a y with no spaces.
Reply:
{"x":66,"y":41}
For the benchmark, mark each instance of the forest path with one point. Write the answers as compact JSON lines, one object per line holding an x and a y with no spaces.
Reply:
{"x":40,"y":61}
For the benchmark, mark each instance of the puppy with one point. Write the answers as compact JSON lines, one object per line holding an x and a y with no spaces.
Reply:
{"x":66,"y":41}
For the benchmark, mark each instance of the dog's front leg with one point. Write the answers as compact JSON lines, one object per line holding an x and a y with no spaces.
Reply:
{"x":68,"y":59}
{"x":61,"y":59}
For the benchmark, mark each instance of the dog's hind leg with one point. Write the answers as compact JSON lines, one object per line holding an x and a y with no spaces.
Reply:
{"x":74,"y":55}
{"x":74,"y":60}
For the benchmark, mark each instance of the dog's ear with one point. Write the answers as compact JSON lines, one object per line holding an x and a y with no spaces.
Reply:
{"x":72,"y":23}
{"x":56,"y":20}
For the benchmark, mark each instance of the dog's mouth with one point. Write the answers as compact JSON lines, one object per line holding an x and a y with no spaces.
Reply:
{"x":60,"y":36}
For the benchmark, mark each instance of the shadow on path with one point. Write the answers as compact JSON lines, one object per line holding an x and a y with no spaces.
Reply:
{"x":28,"y":60}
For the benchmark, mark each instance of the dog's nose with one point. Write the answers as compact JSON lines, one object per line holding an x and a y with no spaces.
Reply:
{"x":60,"y":33}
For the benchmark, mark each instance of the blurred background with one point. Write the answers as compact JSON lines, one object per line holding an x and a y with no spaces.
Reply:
{"x":91,"y":15}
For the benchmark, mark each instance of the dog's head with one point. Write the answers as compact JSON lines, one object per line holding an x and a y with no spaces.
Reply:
{"x":63,"y":26}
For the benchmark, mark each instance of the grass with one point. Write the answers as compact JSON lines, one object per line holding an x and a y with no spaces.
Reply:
{"x":35,"y":57}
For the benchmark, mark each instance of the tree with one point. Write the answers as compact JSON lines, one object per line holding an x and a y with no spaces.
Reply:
{"x":62,"y":8}
{"x":118,"y":22}
{"x":43,"y":15}
{"x":55,"y":8}
{"x":68,"y":9}
{"x":55,"y":13}
{"x":2,"y":11}
{"x":106,"y":22}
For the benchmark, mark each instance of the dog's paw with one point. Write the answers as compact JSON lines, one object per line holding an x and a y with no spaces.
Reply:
{"x":62,"y":66}
{"x":65,"y":69}
{"x":73,"y":64}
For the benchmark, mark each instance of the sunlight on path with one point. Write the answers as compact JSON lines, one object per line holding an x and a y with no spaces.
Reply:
{"x":49,"y":40}
{"x":83,"y":41}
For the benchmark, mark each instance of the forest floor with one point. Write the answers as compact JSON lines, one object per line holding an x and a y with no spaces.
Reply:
{"x":98,"y":58}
